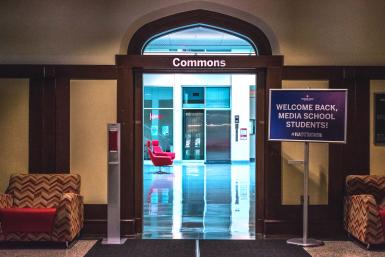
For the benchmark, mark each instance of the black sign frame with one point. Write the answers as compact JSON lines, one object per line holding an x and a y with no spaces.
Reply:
{"x":343,"y":141}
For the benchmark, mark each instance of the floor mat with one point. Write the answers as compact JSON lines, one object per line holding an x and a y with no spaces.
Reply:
{"x":250,"y":248}
{"x":145,"y":248}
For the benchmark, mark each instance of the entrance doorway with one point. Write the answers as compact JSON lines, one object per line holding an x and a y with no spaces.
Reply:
{"x":208,"y":122}
{"x":251,"y":54}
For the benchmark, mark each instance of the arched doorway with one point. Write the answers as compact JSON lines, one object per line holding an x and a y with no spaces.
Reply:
{"x":252,"y":57}
{"x":185,"y":19}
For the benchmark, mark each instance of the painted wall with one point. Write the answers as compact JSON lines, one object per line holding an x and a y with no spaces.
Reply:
{"x":377,"y":153}
{"x":292,"y":175}
{"x":14,"y":125}
{"x":307,"y":32}
{"x":92,"y":106}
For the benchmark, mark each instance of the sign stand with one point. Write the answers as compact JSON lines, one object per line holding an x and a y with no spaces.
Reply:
{"x":307,"y":115}
{"x":304,"y":241}
{"x":113,"y":186}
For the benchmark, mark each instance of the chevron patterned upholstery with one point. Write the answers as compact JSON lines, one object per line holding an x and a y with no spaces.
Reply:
{"x":69,"y":219}
{"x":361,"y":208}
{"x":41,"y":190}
{"x":60,"y":191}
{"x":6,"y":201}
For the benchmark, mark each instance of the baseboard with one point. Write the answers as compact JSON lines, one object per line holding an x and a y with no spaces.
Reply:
{"x":98,"y":228}
{"x":321,"y":228}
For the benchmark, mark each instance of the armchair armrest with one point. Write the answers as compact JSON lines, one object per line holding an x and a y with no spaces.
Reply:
{"x":69,"y":217}
{"x":362,"y":219}
{"x":6,"y":201}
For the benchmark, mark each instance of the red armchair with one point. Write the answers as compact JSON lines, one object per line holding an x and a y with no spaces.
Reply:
{"x":158,"y":150}
{"x":41,"y":207}
{"x":159,"y":160}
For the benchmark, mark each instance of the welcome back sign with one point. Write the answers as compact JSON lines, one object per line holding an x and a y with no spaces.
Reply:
{"x":313,"y":115}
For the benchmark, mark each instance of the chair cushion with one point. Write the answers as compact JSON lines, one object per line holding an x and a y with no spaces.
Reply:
{"x":33,"y":220}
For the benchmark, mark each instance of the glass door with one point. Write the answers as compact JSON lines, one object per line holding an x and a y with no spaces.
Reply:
{"x":218,"y":129}
{"x":193,"y":131}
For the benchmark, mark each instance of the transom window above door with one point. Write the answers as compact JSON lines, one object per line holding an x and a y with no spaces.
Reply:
{"x":199,"y":39}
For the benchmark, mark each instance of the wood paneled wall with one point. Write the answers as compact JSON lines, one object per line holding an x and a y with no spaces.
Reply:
{"x":49,"y":140}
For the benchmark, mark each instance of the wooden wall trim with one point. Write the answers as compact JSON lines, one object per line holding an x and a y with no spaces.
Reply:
{"x":125,"y":116}
{"x":59,"y":71}
{"x":130,"y":114}
{"x":20,"y":71}
{"x":272,"y":152}
{"x":138,"y":145}
{"x":62,"y":124}
{"x":49,"y":124}
{"x":309,"y":72}
{"x":91,"y":72}
{"x":324,"y":72}
{"x":326,"y":228}
{"x":369,"y":72}
{"x":49,"y":136}
{"x":35,"y":124}
{"x":95,"y":221}
{"x":98,"y":228}
{"x":42,"y":126}
{"x":260,"y":176}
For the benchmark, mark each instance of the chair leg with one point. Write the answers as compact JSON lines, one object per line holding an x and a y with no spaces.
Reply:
{"x":69,"y":244}
{"x":160,"y":171}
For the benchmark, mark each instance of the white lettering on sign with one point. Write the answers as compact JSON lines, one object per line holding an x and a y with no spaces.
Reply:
{"x":177,"y":62}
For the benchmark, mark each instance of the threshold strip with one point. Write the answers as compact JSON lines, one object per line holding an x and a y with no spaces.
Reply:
{"x":197,"y":251}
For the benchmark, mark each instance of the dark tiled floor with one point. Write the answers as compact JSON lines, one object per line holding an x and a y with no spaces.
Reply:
{"x":197,"y":201}
{"x":80,"y":248}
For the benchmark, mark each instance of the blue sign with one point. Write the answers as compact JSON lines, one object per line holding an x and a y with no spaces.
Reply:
{"x":312,"y":115}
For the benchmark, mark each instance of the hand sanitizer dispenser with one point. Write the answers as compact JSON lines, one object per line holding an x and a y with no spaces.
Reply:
{"x":113,"y":184}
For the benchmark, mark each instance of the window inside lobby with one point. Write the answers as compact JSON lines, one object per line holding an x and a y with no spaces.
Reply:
{"x":200,"y":39}
{"x":158,"y":116}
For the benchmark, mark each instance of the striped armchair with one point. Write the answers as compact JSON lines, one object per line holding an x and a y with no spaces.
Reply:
{"x":364,"y":208}
{"x":38,"y":200}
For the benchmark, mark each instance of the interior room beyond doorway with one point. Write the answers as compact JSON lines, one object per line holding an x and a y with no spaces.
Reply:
{"x":208,"y":122}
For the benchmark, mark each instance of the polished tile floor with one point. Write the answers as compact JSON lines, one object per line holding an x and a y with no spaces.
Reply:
{"x":200,"y":201}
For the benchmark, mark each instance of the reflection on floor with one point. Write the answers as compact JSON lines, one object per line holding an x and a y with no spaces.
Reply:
{"x":198,"y":201}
